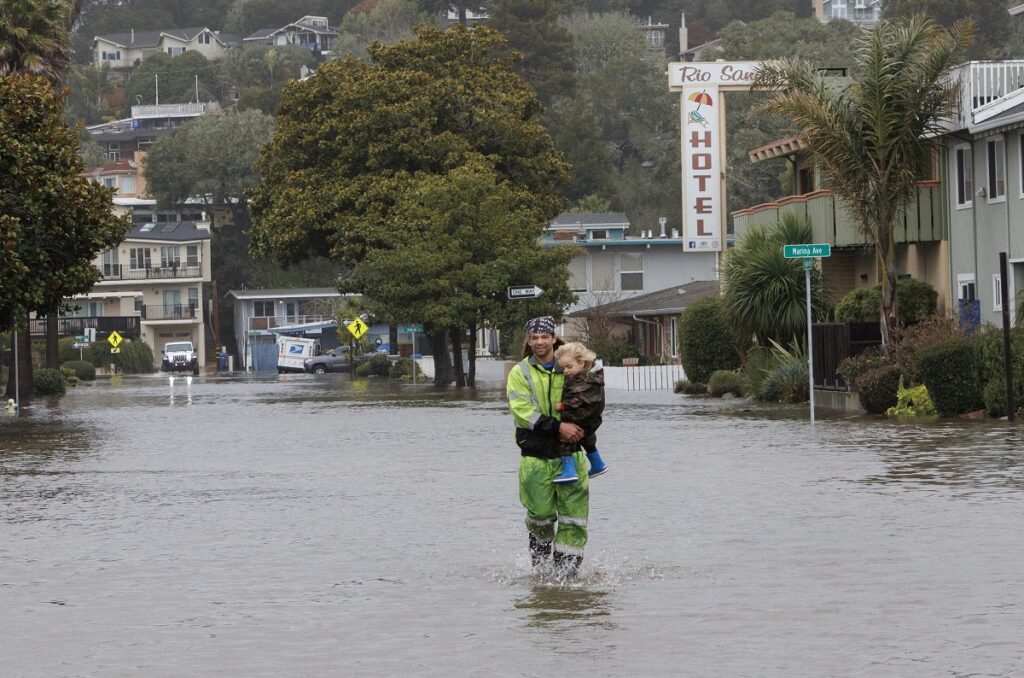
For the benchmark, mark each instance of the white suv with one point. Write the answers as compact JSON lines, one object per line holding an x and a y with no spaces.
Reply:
{"x":179,"y":356}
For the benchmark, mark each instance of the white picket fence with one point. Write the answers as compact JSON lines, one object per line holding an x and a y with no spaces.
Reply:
{"x":646,"y":378}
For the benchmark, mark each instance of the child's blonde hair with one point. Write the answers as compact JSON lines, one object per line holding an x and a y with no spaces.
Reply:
{"x":577,"y":350}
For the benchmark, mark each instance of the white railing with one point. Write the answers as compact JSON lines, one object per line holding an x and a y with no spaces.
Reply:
{"x":643,"y":377}
{"x":170,"y":110}
{"x":983,"y":82}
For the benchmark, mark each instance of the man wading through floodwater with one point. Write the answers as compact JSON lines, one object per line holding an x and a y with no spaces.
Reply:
{"x":556,"y":514}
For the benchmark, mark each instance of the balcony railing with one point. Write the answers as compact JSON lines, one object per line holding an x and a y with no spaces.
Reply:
{"x":272,"y":322}
{"x":833,"y":223}
{"x":126,"y":326}
{"x":170,"y":312}
{"x":123,"y":272}
{"x":982,"y":83}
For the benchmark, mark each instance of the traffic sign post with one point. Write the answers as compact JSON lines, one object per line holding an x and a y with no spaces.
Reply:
{"x":808,"y":253}
{"x":357,"y":327}
{"x":80,"y":345}
{"x":115,"y":340}
{"x":524,"y":292}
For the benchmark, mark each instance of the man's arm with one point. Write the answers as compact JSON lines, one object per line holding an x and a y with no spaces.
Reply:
{"x":526,"y":412}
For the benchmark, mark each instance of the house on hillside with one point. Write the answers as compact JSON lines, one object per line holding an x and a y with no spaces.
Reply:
{"x":120,"y":139}
{"x":613,"y":265}
{"x":124,"y":51}
{"x":864,"y":13}
{"x":312,"y":32}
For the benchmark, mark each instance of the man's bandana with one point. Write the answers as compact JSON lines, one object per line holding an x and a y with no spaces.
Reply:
{"x":543,"y":325}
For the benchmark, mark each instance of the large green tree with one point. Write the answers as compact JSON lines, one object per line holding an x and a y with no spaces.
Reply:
{"x":358,"y":135}
{"x":34,"y":38}
{"x":53,"y":221}
{"x":532,"y":29}
{"x":875,"y":139}
{"x":989,"y":17}
{"x":260,"y":73}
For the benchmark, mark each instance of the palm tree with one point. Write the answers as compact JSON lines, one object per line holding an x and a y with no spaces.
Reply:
{"x":875,"y":138}
{"x":34,"y":38}
{"x":764,"y":292}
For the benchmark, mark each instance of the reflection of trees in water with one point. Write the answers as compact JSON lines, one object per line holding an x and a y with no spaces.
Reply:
{"x":979,"y":457}
{"x":563,"y":609}
{"x":33,"y":454}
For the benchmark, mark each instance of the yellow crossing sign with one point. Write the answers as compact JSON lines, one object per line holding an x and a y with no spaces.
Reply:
{"x":357,"y":327}
{"x":115,"y":339}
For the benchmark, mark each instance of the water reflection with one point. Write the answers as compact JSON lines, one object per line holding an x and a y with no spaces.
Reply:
{"x":565,"y":608}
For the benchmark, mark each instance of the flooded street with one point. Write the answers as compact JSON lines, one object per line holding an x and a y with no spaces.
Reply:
{"x":301,"y":526}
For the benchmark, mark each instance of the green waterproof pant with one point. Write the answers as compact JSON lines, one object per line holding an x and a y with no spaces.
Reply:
{"x":555,"y":512}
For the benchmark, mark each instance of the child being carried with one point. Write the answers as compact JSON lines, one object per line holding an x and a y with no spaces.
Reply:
{"x":582,"y":404}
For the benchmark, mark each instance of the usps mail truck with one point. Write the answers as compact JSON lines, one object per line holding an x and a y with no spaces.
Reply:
{"x":293,"y":351}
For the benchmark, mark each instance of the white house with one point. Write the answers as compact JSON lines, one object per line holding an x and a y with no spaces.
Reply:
{"x":311,"y":32}
{"x":128,"y":50}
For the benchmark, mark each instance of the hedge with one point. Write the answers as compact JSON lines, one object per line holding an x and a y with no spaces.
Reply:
{"x":877,"y":389}
{"x":915,"y":301}
{"x":706,"y":340}
{"x":49,"y":381}
{"x":950,"y":370}
{"x":726,"y":381}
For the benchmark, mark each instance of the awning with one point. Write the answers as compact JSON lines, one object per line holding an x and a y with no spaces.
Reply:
{"x":105,"y":295}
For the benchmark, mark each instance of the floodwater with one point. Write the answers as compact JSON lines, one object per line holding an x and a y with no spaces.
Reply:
{"x":302,"y":526}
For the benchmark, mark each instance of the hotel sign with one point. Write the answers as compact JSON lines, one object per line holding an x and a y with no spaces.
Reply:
{"x":703,"y":129}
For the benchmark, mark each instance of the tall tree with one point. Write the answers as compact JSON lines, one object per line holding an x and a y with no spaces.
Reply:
{"x":532,"y":29}
{"x":53,"y":220}
{"x":359,"y":134}
{"x":260,"y":73}
{"x":34,"y":38}
{"x":875,"y":139}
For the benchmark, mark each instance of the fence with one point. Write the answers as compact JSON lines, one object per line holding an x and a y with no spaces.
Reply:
{"x":833,"y":342}
{"x":643,"y":377}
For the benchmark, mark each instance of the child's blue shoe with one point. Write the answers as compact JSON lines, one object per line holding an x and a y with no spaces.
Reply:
{"x":568,"y":474}
{"x":597,"y":465}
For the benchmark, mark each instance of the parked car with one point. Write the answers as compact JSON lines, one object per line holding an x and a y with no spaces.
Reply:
{"x":335,"y":361}
{"x":179,"y":356}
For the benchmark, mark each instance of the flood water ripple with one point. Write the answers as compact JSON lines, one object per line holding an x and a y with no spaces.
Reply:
{"x":301,"y":526}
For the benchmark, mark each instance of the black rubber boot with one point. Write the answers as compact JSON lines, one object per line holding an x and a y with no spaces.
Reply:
{"x":567,"y":566}
{"x":540,"y":551}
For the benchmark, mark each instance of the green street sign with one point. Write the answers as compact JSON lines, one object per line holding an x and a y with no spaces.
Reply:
{"x":408,"y":329}
{"x":801,"y":251}
{"x":81,"y":337}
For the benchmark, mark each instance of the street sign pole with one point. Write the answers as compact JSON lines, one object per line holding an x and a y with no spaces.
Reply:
{"x":414,"y":358}
{"x":808,"y":265}
{"x":17,"y":383}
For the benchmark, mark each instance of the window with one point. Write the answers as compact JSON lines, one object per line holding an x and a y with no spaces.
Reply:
{"x":964,"y":176}
{"x":110,"y":182}
{"x":139,"y":257}
{"x":172,"y":303}
{"x":996,"y":151}
{"x":673,"y":336}
{"x":655,"y":38}
{"x":602,"y":272}
{"x":139,"y":303}
{"x":170,"y":255}
{"x":599,"y":235}
{"x":175,"y":51}
{"x":192,"y":255}
{"x":193,"y":297}
{"x":968,"y":291}
{"x":110,"y":264}
{"x":204,"y":38}
{"x":578,"y":274}
{"x":997,"y":292}
{"x":110,"y":56}
{"x":631,"y":271}
{"x":127,"y":184}
{"x":263,"y":309}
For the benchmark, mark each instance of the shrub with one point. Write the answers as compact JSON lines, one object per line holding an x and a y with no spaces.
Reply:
{"x":706,"y":339}
{"x":786,"y":382}
{"x":403,"y":368}
{"x":950,"y":371}
{"x":912,"y":402}
{"x":85,"y":371}
{"x":760,"y":361}
{"x":690,"y":387}
{"x":928,"y":332}
{"x":136,"y":357}
{"x":49,"y":381}
{"x":612,"y":351}
{"x":991,"y":363}
{"x":363,"y":370}
{"x":726,"y":381}
{"x":994,"y":397}
{"x":379,"y":365}
{"x":915,"y":300}
{"x":869,"y":359}
{"x":877,"y":388}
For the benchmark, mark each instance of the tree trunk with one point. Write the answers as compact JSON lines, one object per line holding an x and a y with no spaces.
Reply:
{"x":52,"y":334}
{"x":471,"y":379}
{"x":393,"y":339}
{"x":887,"y":276}
{"x":24,"y":366}
{"x":460,"y":372}
{"x":442,"y":362}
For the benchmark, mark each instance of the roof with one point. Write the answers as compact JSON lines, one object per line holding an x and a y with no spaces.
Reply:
{"x":127,"y":166}
{"x":142,"y":39}
{"x":777,"y":149}
{"x":590,"y":219}
{"x":1003,"y":114}
{"x":671,"y":301}
{"x":261,"y":34}
{"x":175,"y":231}
{"x":286,"y":293}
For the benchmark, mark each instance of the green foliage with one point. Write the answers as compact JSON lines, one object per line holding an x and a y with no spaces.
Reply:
{"x":875,"y":138}
{"x":993,"y":371}
{"x":379,"y":365}
{"x":706,"y":339}
{"x":387,"y":22}
{"x":363,"y":370}
{"x":786,"y":382}
{"x":915,"y":301}
{"x":950,"y":370}
{"x":247,"y":16}
{"x":912,"y":402}
{"x":993,"y":395}
{"x":687,"y":387}
{"x":613,"y":351}
{"x":49,"y":382}
{"x":260,"y":74}
{"x":136,"y":357}
{"x":765,"y":294}
{"x":532,"y":29}
{"x":177,"y":79}
{"x":70,"y":379}
{"x":877,"y":388}
{"x":85,"y":371}
{"x":929,"y":331}
{"x":53,"y":220}
{"x":990,"y":17}
{"x":869,"y":359}
{"x":726,"y":381}
{"x":402,"y":369}
{"x":34,"y":39}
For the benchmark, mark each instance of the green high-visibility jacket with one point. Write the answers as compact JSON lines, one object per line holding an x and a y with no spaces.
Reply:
{"x":532,"y":393}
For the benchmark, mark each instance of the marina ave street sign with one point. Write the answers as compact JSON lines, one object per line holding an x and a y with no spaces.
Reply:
{"x":801,"y":251}
{"x":524,"y":292}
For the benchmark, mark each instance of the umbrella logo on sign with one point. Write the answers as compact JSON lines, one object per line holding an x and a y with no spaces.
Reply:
{"x":702,"y":99}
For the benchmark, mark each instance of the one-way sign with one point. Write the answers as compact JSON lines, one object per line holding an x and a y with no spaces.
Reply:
{"x":524,"y":292}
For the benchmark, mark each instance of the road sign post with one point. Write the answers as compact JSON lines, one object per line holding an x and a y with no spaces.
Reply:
{"x":808,"y":253}
{"x":524,"y":292}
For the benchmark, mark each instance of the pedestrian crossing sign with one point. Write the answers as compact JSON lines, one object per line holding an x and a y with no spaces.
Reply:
{"x":357,"y":327}
{"x":115,"y":339}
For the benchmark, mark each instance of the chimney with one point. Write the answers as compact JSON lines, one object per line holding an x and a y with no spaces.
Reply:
{"x":683,"y":37}
{"x":661,"y":222}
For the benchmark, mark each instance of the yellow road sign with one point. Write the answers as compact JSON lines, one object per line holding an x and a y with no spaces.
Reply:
{"x":115,"y":339}
{"x":115,"y":350}
{"x":357,"y":327}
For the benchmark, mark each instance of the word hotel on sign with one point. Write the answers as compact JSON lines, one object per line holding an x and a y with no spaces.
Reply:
{"x":725,"y":74}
